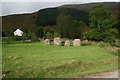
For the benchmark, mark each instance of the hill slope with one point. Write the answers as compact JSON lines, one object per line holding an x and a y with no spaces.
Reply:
{"x":28,"y":21}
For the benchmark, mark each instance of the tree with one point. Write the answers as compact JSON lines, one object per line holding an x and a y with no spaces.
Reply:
{"x":63,"y":24}
{"x":46,"y":17}
{"x":101,"y":23}
{"x":85,"y":32}
{"x":68,"y":27}
{"x":40,"y":33}
{"x":79,"y":27}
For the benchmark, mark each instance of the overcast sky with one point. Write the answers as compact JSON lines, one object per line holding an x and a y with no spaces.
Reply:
{"x":28,"y":6}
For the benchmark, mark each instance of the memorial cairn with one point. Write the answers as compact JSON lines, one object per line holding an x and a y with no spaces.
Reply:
{"x":47,"y":42}
{"x":57,"y":41}
{"x":76,"y":42}
{"x":67,"y":43}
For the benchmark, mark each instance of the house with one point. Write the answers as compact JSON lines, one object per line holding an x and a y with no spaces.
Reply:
{"x":18,"y":32}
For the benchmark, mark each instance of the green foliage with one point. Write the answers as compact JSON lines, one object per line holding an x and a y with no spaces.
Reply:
{"x":56,"y":34}
{"x":40,"y":33}
{"x":26,"y":35}
{"x":8,"y":39}
{"x":119,"y":32}
{"x":49,"y":35}
{"x":12,"y":39}
{"x":17,"y":38}
{"x":7,"y":33}
{"x":63,"y":24}
{"x":78,"y":15}
{"x":69,"y":28}
{"x":79,"y":29}
{"x":85,"y":32}
{"x":46,"y":17}
{"x":49,"y":16}
{"x":102,"y":22}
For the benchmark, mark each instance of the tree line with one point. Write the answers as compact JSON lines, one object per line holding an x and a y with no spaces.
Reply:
{"x":97,"y":25}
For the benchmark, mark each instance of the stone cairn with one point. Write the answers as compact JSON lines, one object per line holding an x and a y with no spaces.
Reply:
{"x":76,"y":42}
{"x":57,"y":41}
{"x":47,"y":42}
{"x":85,"y":42}
{"x":67,"y":43}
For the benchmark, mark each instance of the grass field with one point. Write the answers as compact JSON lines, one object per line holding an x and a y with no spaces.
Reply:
{"x":36,"y":60}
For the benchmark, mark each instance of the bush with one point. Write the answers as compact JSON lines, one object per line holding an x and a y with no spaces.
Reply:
{"x":7,"y":33}
{"x":7,"y":39}
{"x":85,"y":32}
{"x":40,"y":33}
{"x":17,"y":38}
{"x":49,"y":35}
{"x":56,"y":34}
{"x":26,"y":35}
{"x":12,"y":39}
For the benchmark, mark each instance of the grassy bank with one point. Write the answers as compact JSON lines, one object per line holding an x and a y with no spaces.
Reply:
{"x":30,"y":60}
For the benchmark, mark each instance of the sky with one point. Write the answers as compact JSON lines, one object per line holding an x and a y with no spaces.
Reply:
{"x":28,"y":6}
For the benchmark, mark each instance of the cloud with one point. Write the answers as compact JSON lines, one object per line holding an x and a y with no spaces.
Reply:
{"x":29,"y":6}
{"x":60,"y":0}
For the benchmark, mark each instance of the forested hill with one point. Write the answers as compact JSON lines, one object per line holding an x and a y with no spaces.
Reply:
{"x":47,"y":17}
{"x":112,"y":6}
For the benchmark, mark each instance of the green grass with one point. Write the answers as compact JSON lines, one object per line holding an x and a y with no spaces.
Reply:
{"x":31,"y":60}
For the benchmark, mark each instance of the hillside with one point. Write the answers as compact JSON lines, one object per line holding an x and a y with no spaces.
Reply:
{"x":114,"y":7}
{"x":28,"y":21}
{"x":49,"y":16}
{"x":11,"y":22}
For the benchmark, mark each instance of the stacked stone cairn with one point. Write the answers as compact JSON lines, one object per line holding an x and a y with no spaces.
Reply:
{"x":76,"y":42}
{"x":85,"y":42}
{"x":67,"y":43}
{"x":47,"y":42}
{"x":57,"y":41}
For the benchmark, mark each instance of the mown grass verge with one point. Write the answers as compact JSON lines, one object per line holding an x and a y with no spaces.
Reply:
{"x":36,"y":60}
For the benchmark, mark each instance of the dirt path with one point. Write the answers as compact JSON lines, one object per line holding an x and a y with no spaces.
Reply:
{"x":111,"y":74}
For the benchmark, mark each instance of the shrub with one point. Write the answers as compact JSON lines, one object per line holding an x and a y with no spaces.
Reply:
{"x":49,"y":35}
{"x":7,"y":33}
{"x":26,"y":35}
{"x":17,"y":38}
{"x":40,"y":33}
{"x":7,"y":39}
{"x":85,"y":32}
{"x":56,"y":34}
{"x":12,"y":39}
